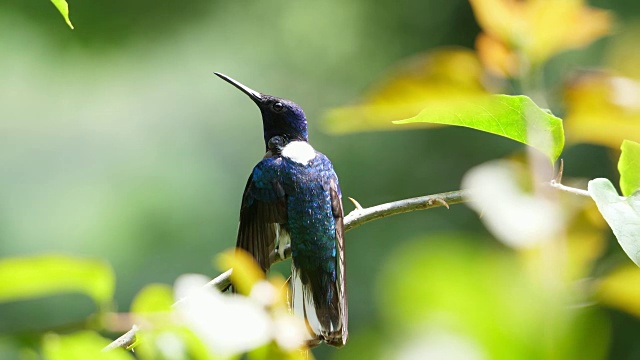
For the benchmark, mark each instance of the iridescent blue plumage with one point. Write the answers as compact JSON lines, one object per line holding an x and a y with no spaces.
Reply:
{"x":293,"y":196}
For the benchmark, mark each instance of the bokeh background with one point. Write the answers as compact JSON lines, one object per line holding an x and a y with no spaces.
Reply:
{"x":118,"y":142}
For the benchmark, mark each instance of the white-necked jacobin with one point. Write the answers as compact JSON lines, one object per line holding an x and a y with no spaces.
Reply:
{"x":293,"y":198}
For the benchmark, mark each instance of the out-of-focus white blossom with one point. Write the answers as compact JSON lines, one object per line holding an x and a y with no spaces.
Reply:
{"x":227,"y":324}
{"x":517,"y":218}
{"x":231,"y":324}
{"x":289,"y":331}
{"x":264,"y":293}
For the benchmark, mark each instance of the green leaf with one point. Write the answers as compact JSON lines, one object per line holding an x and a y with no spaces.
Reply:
{"x":81,"y":345}
{"x":37,"y":276}
{"x":629,"y":167}
{"x":153,"y":298}
{"x":622,"y":214}
{"x":514,"y":117}
{"x":489,"y":299}
{"x":63,"y":7}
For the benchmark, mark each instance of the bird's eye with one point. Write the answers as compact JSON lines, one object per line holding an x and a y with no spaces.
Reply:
{"x":277,"y":106}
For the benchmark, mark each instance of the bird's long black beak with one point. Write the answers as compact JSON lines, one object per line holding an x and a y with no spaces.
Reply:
{"x":254,"y":95}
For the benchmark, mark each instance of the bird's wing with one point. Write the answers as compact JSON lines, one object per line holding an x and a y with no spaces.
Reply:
{"x":263,"y":206}
{"x":338,"y":215}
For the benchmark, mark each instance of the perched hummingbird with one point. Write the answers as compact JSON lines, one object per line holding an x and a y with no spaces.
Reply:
{"x":293,"y":198}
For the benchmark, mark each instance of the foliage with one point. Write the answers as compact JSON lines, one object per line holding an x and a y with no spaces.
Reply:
{"x":63,"y":7}
{"x":27,"y":278}
{"x":622,"y":214}
{"x":629,"y":167}
{"x":533,"y":298}
{"x":514,"y":117}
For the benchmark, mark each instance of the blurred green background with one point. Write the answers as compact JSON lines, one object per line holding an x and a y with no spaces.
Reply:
{"x":118,"y":142}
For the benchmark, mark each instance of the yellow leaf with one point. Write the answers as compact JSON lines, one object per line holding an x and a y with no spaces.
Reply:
{"x":585,"y":241}
{"x":538,"y":29}
{"x":246,"y":271}
{"x":623,"y":52}
{"x":621,"y":289}
{"x":496,"y":56}
{"x":435,"y":77}
{"x":602,"y":109}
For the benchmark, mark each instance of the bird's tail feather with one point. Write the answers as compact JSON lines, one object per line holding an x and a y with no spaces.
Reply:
{"x":323,"y":310}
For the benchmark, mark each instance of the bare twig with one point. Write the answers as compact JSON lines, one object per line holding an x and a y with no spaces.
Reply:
{"x":354,"y":219}
{"x":557,"y":183}
{"x":362,"y":215}
{"x":124,"y":341}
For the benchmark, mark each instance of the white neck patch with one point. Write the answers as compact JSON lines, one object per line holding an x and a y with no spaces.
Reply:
{"x":299,"y":151}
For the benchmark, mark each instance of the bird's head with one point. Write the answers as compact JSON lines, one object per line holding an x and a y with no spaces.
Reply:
{"x":280,"y":117}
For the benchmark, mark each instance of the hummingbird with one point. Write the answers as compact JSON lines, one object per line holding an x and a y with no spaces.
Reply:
{"x":292,"y":200}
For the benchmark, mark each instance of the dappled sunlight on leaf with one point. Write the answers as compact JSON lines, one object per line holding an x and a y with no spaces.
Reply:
{"x":602,"y":109}
{"x":537,"y":29}
{"x":437,"y":77}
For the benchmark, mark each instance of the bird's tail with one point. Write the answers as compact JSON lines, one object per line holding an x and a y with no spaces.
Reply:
{"x":323,"y":308}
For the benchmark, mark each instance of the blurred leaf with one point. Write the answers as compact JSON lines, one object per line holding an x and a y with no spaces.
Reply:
{"x":621,"y":289}
{"x":80,"y":346}
{"x":602,"y":109}
{"x":246,"y":271}
{"x":585,"y":241}
{"x":30,"y":277}
{"x":514,"y":117}
{"x":451,"y":285}
{"x":622,"y":215}
{"x":496,"y":56}
{"x":623,"y":52}
{"x":63,"y":7}
{"x":176,"y":342}
{"x":539,"y":29}
{"x":272,"y":351}
{"x":436,"y":77}
{"x":629,"y":167}
{"x":153,"y":298}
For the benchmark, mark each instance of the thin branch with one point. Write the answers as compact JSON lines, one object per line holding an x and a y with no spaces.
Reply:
{"x":358,"y":217}
{"x":124,"y":341}
{"x":569,"y":189}
{"x":361,"y":216}
{"x":354,"y":219}
{"x":557,"y":183}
